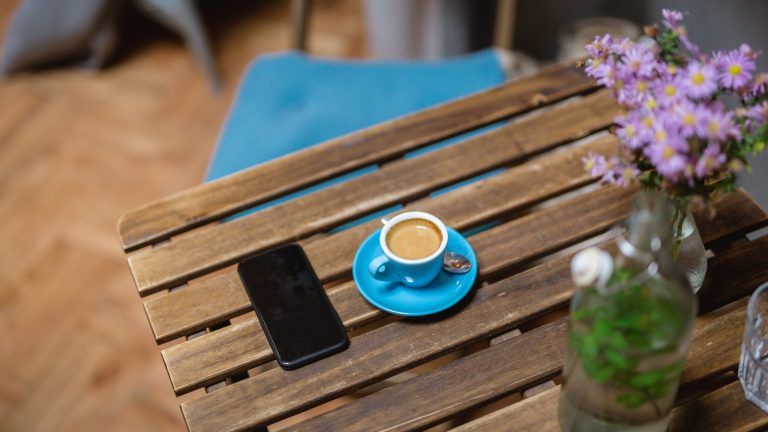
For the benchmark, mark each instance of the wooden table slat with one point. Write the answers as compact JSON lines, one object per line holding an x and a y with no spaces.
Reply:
{"x":197,"y":252}
{"x":185,"y":210}
{"x":537,"y":413}
{"x":386,"y":351}
{"x":222,"y":296}
{"x":725,"y":409}
{"x":242,"y":346}
{"x":506,"y":368}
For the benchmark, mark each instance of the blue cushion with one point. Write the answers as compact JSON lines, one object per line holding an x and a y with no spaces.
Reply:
{"x":287,"y":102}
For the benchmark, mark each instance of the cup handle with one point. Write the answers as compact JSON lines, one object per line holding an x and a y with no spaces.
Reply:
{"x":378,"y":269}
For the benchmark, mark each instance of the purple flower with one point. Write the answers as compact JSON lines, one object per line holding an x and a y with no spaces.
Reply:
{"x":620,"y":47}
{"x":668,"y":92}
{"x":630,"y":132}
{"x":735,"y":69}
{"x":710,"y":161}
{"x":755,"y":117}
{"x":717,"y":125}
{"x":605,"y":73}
{"x":594,"y":164}
{"x":640,"y":61}
{"x":759,"y":85}
{"x":667,"y":160}
{"x":689,"y":118}
{"x":611,"y":164}
{"x":599,"y":46}
{"x":748,"y":51}
{"x":672,"y":18}
{"x":700,"y":80}
{"x":625,"y":174}
{"x":758,"y":113}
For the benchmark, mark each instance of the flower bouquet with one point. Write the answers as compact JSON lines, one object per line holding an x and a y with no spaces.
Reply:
{"x":689,"y":119}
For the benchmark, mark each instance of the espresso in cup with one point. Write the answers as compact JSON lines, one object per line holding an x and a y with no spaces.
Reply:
{"x":412,"y":248}
{"x":414,"y":239}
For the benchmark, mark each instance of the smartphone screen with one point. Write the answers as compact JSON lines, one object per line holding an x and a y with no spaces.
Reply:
{"x":295,"y":313}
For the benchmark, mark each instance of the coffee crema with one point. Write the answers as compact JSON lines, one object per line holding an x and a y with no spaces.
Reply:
{"x":414,"y":239}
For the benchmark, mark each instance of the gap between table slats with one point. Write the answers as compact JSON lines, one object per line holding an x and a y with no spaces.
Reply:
{"x":221,"y":296}
{"x":207,"y":202}
{"x":242,"y":345}
{"x":197,"y":252}
{"x":276,"y":394}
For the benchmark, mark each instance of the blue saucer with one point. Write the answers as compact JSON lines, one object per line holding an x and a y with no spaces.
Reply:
{"x":393,"y":297}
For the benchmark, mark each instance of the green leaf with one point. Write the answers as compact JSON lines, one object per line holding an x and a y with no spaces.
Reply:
{"x":617,"y":341}
{"x":589,"y":347}
{"x":601,"y":374}
{"x":617,"y":360}
{"x":631,"y":399}
{"x":602,"y":330}
{"x":646,"y":379}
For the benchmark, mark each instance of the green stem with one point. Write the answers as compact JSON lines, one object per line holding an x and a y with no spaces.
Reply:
{"x":681,"y":209}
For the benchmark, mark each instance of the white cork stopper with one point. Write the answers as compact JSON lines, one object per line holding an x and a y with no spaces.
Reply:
{"x":592,"y":266}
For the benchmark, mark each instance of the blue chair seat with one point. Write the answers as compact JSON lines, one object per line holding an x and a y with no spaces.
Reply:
{"x":287,"y":102}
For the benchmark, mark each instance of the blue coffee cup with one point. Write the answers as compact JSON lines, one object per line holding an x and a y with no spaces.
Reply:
{"x":413,"y":273}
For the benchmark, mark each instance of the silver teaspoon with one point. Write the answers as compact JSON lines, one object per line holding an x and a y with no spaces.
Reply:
{"x":454,"y":262}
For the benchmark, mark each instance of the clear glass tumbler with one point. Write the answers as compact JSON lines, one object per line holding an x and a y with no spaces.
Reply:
{"x":753,"y":367}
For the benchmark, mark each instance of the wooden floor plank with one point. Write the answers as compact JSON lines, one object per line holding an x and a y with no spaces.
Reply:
{"x":222,"y":296}
{"x":184,"y":210}
{"x":501,"y":370}
{"x":197,"y":252}
{"x":386,"y":351}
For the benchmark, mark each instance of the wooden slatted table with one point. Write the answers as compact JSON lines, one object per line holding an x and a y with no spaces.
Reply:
{"x":182,"y":251}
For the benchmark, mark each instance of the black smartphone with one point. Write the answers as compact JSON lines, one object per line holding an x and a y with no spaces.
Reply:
{"x":299,"y":321}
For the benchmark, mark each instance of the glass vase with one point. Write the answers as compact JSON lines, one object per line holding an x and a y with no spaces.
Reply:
{"x":630,"y":325}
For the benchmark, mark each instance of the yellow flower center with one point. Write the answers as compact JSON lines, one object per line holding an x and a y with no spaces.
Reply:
{"x":660,"y":135}
{"x":672,"y":69}
{"x":668,"y":152}
{"x":670,"y":90}
{"x":650,"y":103}
{"x":689,"y":120}
{"x":628,"y":173}
{"x":713,"y":127}
{"x":734,"y":69}
{"x":635,"y":64}
{"x":648,"y":121}
{"x":698,"y":78}
{"x":629,"y":130}
{"x":589,"y":164}
{"x":619,"y":84}
{"x":641,"y":86}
